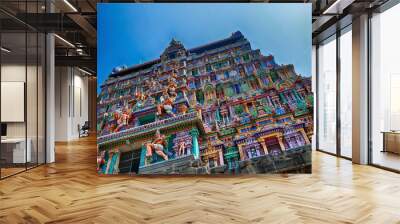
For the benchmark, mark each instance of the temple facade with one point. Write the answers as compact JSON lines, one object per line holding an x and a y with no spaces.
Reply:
{"x":222,"y":107}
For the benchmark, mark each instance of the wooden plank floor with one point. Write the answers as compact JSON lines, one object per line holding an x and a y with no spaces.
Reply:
{"x":70,"y":191}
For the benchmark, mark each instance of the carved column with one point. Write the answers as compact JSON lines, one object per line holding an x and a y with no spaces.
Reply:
{"x":305,"y":136}
{"x":270,"y":79}
{"x":260,"y":83}
{"x":280,"y":140}
{"x":231,"y":112}
{"x":199,"y":114}
{"x":246,"y":108}
{"x":221,"y":158}
{"x":193,"y":98}
{"x":214,"y":94}
{"x":241,"y":152}
{"x":143,"y":156}
{"x":223,"y":118}
{"x":262,"y":142}
{"x":254,"y":69}
{"x":195,"y":144}
{"x":269,"y":101}
{"x":275,"y":101}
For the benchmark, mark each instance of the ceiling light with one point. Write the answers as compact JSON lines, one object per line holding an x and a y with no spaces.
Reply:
{"x":84,"y":71}
{"x":70,"y":5}
{"x":5,"y":50}
{"x":65,"y":41}
{"x":79,"y":51}
{"x":338,"y":6}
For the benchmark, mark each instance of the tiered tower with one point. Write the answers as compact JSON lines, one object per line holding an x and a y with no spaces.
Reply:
{"x":221,"y":107}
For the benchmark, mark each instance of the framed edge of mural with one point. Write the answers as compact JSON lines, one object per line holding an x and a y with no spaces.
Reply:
{"x":203,"y":92}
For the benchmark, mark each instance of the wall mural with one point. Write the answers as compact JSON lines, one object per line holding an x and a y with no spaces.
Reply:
{"x":219,"y":108}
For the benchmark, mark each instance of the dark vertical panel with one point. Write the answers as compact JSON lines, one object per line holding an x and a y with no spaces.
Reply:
{"x":338,"y":73}
{"x":37,"y":91}
{"x":69,"y":100}
{"x":45,"y":95}
{"x":369,"y":78}
{"x":73,"y":91}
{"x":316,"y":97}
{"x":60,"y":86}
{"x":92,"y":102}
{"x":45,"y":87}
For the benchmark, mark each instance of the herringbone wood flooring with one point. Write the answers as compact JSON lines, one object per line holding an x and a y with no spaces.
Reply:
{"x":70,"y":191}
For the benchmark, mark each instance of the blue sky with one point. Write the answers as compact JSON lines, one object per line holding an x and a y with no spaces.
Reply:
{"x":130,"y":34}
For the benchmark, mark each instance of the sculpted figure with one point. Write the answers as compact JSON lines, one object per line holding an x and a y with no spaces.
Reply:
{"x":123,"y":119}
{"x":100,"y":160}
{"x":172,"y":90}
{"x":181,"y":149}
{"x":166,"y":105}
{"x":183,"y":109}
{"x":157,"y":145}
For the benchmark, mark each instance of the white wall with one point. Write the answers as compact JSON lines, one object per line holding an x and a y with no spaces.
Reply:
{"x":33,"y":127}
{"x":81,"y":103}
{"x":62,"y":82}
{"x":12,"y":73}
{"x":16,"y":73}
{"x":71,"y":102}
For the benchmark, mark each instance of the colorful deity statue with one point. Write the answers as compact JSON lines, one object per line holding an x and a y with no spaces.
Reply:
{"x":181,"y":149}
{"x":236,"y":119}
{"x":154,"y":84}
{"x":100,"y":160}
{"x":174,"y":75}
{"x":157,"y":145}
{"x":122,"y":119}
{"x":172,"y":89}
{"x":103,"y":122}
{"x":140,"y":99}
{"x":182,"y":109}
{"x":207,"y":127}
{"x":184,"y":81}
{"x":111,"y":127}
{"x":166,"y":105}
